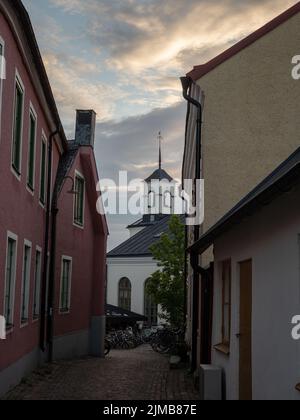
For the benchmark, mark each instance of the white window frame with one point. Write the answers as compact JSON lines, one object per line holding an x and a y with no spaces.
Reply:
{"x":13,"y":237}
{"x":37,"y":290}
{"x":69,"y":259}
{"x":32,"y":113}
{"x":18,"y":80}
{"x":2,"y":42}
{"x":45,"y":142}
{"x":79,"y":175}
{"x":27,"y":244}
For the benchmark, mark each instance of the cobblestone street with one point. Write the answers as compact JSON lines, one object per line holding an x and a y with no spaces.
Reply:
{"x":138,"y":374}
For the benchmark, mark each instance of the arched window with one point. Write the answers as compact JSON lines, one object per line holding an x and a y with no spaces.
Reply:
{"x":168,"y":201}
{"x":125,"y":294}
{"x":150,"y":308}
{"x":151,"y":200}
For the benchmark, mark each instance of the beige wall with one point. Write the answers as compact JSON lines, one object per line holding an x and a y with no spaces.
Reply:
{"x":251,"y":118}
{"x":251,"y":122}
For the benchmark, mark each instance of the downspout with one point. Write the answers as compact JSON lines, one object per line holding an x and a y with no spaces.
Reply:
{"x":51,"y":292}
{"x":186,"y":86}
{"x":52,"y":266}
{"x":46,"y":242}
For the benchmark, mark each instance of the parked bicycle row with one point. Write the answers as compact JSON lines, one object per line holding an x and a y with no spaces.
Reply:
{"x":163,"y":340}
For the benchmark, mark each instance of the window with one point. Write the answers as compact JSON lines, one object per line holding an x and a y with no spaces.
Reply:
{"x":43,"y":177}
{"x":79,"y":200}
{"x":10,"y":279}
{"x":125,"y":294}
{"x":226,"y":302}
{"x":65,"y":287}
{"x":17,"y":127}
{"x":150,"y":308}
{"x":37,"y":283}
{"x":31,"y":150}
{"x":25,"y":283}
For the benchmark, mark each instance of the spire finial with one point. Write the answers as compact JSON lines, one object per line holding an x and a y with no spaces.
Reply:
{"x":160,"y":158}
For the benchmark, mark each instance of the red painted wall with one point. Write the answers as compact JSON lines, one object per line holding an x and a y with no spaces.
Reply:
{"x":87,"y":247}
{"x":21,"y":214}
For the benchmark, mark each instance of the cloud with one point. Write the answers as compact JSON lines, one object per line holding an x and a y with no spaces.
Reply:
{"x":142,"y":35}
{"x":74,"y":89}
{"x":132,"y":145}
{"x":147,"y":44}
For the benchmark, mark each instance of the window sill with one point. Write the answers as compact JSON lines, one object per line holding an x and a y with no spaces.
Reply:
{"x":223,"y":348}
{"x":30,"y":189}
{"x":16,"y":172}
{"x":9,"y":329}
{"x":64,"y":312}
{"x":78,"y":225}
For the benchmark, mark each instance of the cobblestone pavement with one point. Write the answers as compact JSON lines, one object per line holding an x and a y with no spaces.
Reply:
{"x":138,"y":374}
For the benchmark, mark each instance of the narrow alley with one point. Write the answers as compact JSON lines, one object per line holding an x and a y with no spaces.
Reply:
{"x":138,"y":374}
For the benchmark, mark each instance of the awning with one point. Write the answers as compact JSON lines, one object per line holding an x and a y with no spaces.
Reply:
{"x":116,"y":313}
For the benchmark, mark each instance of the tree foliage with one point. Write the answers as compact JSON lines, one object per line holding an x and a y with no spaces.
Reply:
{"x":167,"y":284}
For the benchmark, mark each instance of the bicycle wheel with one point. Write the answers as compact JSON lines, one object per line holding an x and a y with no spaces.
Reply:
{"x":107,"y":347}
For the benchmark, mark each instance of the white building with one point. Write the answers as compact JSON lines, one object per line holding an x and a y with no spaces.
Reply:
{"x":257,"y":289}
{"x":130,"y":265}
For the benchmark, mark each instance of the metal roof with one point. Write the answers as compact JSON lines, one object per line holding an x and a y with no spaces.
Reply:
{"x":65,"y":164}
{"x":159,"y":174}
{"x":280,"y":181}
{"x":139,"y":245}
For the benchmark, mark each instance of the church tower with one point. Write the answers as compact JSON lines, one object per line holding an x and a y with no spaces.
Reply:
{"x":157,"y":198}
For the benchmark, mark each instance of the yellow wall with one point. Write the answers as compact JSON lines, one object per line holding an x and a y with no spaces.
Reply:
{"x":251,"y":118}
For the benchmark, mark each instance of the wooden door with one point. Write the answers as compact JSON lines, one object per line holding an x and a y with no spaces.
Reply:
{"x":246,"y":330}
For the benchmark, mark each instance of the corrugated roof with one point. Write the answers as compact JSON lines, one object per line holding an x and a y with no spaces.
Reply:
{"x":139,"y":244}
{"x":278,"y":182}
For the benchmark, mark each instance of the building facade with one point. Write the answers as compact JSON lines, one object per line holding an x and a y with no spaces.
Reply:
{"x":51,"y":297}
{"x":130,"y":265}
{"x":250,"y":105}
{"x":257,"y":289}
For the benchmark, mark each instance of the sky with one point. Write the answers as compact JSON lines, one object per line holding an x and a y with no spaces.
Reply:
{"x":123,"y":58}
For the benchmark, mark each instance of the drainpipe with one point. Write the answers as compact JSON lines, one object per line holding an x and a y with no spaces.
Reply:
{"x":52,"y":266}
{"x":186,"y":86}
{"x":46,"y":242}
{"x":51,"y":290}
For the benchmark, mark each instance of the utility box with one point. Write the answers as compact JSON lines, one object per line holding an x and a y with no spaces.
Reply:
{"x":210,"y":378}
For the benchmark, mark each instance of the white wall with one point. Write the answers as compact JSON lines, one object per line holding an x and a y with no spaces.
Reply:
{"x":137,"y":270}
{"x":271,"y":239}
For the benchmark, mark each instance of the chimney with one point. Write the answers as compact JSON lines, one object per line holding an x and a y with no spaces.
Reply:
{"x":85,"y":128}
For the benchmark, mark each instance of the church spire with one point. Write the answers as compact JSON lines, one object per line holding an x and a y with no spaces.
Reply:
{"x":160,"y":156}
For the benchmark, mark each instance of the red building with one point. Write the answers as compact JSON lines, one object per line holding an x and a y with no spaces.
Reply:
{"x":52,"y":240}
